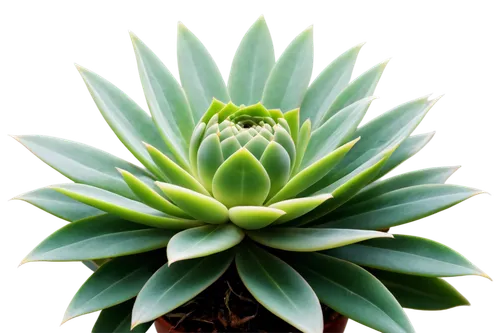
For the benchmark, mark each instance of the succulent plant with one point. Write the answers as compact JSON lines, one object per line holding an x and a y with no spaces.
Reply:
{"x":269,"y":172}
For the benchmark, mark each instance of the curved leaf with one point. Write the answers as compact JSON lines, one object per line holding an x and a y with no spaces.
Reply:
{"x":241,"y":181}
{"x":277,"y":164}
{"x":194,"y":145}
{"x":203,"y":241}
{"x":279,"y":288}
{"x":209,"y":159}
{"x":254,"y":217}
{"x":200,"y":77}
{"x":117,"y":319}
{"x":198,"y":205}
{"x":408,"y":255}
{"x":299,"y":206}
{"x":302,"y":144}
{"x":311,"y":239}
{"x":353,"y":292}
{"x":102,"y":237}
{"x":288,"y":80}
{"x":172,"y":286}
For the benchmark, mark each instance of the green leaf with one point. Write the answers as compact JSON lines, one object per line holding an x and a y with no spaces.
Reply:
{"x":326,"y":87}
{"x":277,"y":164}
{"x":297,"y":207}
{"x":400,"y":206}
{"x":353,"y":292}
{"x":129,"y":122}
{"x":241,"y":181}
{"x":113,"y":283}
{"x":363,"y":86}
{"x":203,"y":241}
{"x":408,"y":255}
{"x":101,"y":237}
{"x":59,"y":205}
{"x":251,"y":65}
{"x":175,"y":174}
{"x":279,"y":288}
{"x":200,"y":77}
{"x":419,"y":177}
{"x":150,"y":197}
{"x":421,"y":293}
{"x":166,"y":100}
{"x":194,"y":145}
{"x":311,"y":239}
{"x":84,"y":164}
{"x":288,"y":80}
{"x":120,"y":206}
{"x":215,"y":107}
{"x":310,"y":175}
{"x":336,"y":130}
{"x":209,"y":160}
{"x":302,"y":144}
{"x":172,"y":286}
{"x":198,"y":205}
{"x":254,"y":217}
{"x":292,"y":118}
{"x":117,"y":319}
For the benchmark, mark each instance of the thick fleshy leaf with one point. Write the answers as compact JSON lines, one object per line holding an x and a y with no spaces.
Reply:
{"x":277,"y":164}
{"x":84,"y":164}
{"x":288,"y":81}
{"x":200,"y":77}
{"x":194,"y":145}
{"x":166,"y":100}
{"x":113,"y":283}
{"x":329,"y":83}
{"x":279,"y":288}
{"x":172,"y":286}
{"x":129,"y":122}
{"x":59,"y":205}
{"x":198,"y":205}
{"x":120,"y":206}
{"x":311,"y":239}
{"x":203,"y":241}
{"x":209,"y":159}
{"x":353,"y":292}
{"x":408,"y":255}
{"x":299,"y":206}
{"x":310,"y":175}
{"x":254,"y":217}
{"x":175,"y":174}
{"x":336,"y":130}
{"x":241,"y":181}
{"x":363,"y":86}
{"x":117,"y":319}
{"x":251,"y":65}
{"x":399,"y":207}
{"x":292,"y":118}
{"x":419,"y":177}
{"x":150,"y":197}
{"x":302,"y":144}
{"x":421,"y":293}
{"x":102,"y":237}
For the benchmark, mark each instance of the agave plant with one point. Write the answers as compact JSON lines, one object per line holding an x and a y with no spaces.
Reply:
{"x":269,"y":173}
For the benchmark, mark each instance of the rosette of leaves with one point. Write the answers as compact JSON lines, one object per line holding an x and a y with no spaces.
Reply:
{"x":269,"y":172}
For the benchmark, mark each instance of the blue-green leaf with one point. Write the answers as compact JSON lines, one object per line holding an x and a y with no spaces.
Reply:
{"x":117,"y":319}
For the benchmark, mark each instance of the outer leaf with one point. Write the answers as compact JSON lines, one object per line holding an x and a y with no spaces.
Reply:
{"x":59,"y":205}
{"x":203,"y":241}
{"x":353,"y":292}
{"x":113,"y":283}
{"x":172,"y":286}
{"x":279,"y":288}
{"x":129,"y":122}
{"x":166,"y":100}
{"x":409,"y":255}
{"x":311,"y":239}
{"x":84,"y":164}
{"x":400,"y":206}
{"x":117,"y":320}
{"x":329,"y":83}
{"x":241,"y":181}
{"x":103,"y":237}
{"x":288,"y":81}
{"x":421,"y":293}
{"x":310,"y":175}
{"x":254,"y":217}
{"x":297,"y":207}
{"x":200,"y":206}
{"x":200,"y":77}
{"x":252,"y":64}
{"x":123,"y":207}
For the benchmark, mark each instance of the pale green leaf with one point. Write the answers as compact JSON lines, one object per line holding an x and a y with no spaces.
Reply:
{"x":297,"y":207}
{"x":254,"y":217}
